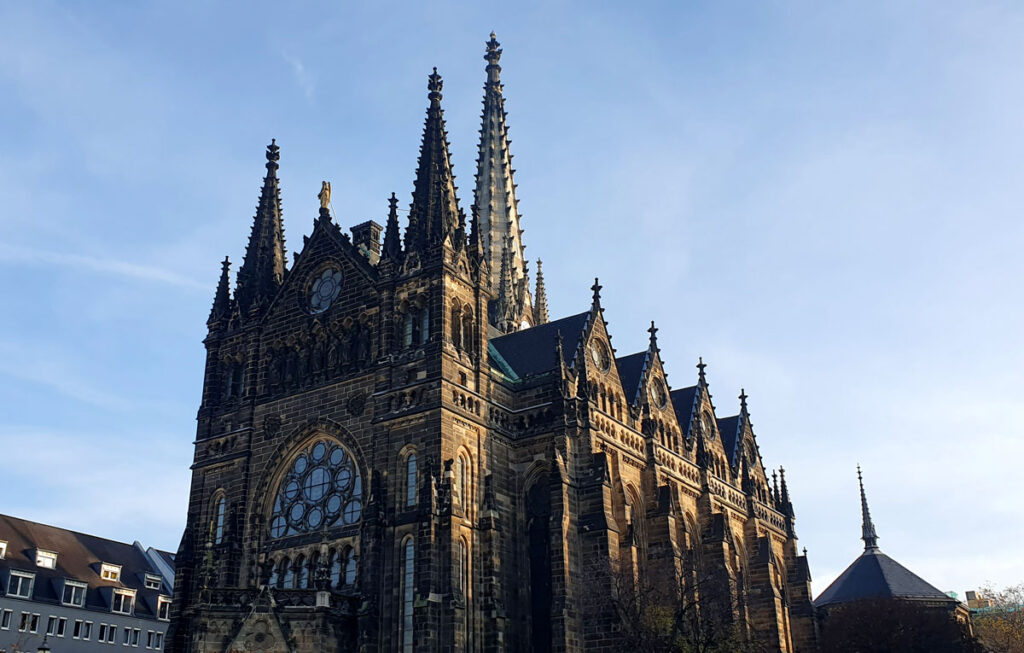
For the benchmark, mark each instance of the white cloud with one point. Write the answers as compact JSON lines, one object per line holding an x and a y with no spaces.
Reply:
{"x":305,"y":80}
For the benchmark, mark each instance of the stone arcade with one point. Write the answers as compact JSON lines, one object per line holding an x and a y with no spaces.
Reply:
{"x":398,"y":451}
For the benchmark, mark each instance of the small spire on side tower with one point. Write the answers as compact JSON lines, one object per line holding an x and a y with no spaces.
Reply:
{"x":653,"y":343}
{"x":262,"y":270}
{"x":222,"y":298}
{"x":434,"y":214}
{"x":867,"y":527}
{"x":701,"y":365}
{"x":540,"y":306}
{"x":596,"y":289}
{"x":392,"y":247}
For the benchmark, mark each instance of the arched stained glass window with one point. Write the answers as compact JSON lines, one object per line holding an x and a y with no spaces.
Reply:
{"x":410,"y":480}
{"x":408,"y":580}
{"x":350,"y":567}
{"x":287,"y":574}
{"x":218,"y":518}
{"x":322,"y":489}
{"x":301,"y":573}
{"x":335,"y":569}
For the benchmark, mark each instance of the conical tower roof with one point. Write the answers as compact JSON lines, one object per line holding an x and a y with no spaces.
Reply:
{"x":262,"y":270}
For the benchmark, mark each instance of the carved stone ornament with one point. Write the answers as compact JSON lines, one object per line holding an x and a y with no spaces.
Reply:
{"x":357,"y":404}
{"x":271,"y":426}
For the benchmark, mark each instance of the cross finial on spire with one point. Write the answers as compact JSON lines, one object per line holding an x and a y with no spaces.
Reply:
{"x":867,"y":527}
{"x":743,"y":400}
{"x":434,"y":85}
{"x":493,"y":51}
{"x":597,"y":292}
{"x":273,"y":155}
{"x":700,"y":369}
{"x":654,"y":336}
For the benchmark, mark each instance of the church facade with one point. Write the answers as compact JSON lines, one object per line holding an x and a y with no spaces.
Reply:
{"x":398,"y":450}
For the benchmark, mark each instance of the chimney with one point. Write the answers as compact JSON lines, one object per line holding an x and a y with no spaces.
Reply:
{"x":366,"y":238}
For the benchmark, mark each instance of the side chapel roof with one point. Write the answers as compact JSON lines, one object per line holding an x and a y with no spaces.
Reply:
{"x":532,"y":351}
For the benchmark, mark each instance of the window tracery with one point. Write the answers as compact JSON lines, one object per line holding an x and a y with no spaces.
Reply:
{"x":321,"y":489}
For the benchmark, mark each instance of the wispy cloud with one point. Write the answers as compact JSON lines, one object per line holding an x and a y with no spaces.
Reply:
{"x":32,"y":256}
{"x":305,"y":80}
{"x":48,"y":369}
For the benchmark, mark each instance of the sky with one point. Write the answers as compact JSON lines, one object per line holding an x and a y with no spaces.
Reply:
{"x":823,"y":200}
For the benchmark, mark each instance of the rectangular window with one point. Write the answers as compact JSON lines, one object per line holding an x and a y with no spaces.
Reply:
{"x":74,"y":593}
{"x":163,"y":609}
{"x":110,"y":572}
{"x":62,"y":626}
{"x":5,"y":620}
{"x":101,"y":634}
{"x":123,"y":602}
{"x":112,"y":634}
{"x":76,"y":632}
{"x":135,"y":637}
{"x":127,"y":636}
{"x":149,"y":639}
{"x":33,"y":626}
{"x":46,"y":559}
{"x":87,"y":630}
{"x":20,"y":585}
{"x":159,"y":641}
{"x":153,"y":582}
{"x":23,"y":626}
{"x":51,"y":625}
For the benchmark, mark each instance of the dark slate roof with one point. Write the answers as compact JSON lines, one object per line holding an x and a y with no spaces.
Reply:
{"x":532,"y":351}
{"x":875,"y":575}
{"x":682,"y":401}
{"x":729,"y":427}
{"x":78,"y":558}
{"x":630,"y":369}
{"x":167,"y":557}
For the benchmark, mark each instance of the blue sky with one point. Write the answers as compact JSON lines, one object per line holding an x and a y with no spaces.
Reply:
{"x":821,"y":199}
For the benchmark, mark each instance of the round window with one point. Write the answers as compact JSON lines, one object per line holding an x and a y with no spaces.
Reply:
{"x":322,"y":489}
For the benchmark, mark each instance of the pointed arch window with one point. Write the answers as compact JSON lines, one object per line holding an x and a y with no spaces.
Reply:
{"x":411,"y":476}
{"x":218,"y":519}
{"x":275,"y":577}
{"x":467,"y":330}
{"x":335,"y":569}
{"x":456,"y":327}
{"x":301,"y":573}
{"x":287,"y":580}
{"x":408,"y":577}
{"x":350,"y":567}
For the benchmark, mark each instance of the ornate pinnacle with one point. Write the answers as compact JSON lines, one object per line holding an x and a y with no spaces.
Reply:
{"x":392,"y":246}
{"x":540,"y":307}
{"x":743,"y":401}
{"x":700,"y":370}
{"x":559,"y":355}
{"x":493,"y":50}
{"x":273,"y":156}
{"x":654,"y":337}
{"x":867,"y":528}
{"x":262,"y":270}
{"x":222,"y":298}
{"x":596,"y":288}
{"x":434,"y":85}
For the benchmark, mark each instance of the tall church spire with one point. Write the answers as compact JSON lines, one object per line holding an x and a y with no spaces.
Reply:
{"x":867,"y":528}
{"x":434,"y":213}
{"x":540,"y":306}
{"x":262,"y":270}
{"x":495,"y":192}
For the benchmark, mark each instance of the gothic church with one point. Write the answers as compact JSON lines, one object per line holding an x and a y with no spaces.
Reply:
{"x":398,"y":450}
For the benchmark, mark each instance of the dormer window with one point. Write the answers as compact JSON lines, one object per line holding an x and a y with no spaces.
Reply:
{"x":46,"y":559}
{"x":74,"y":593}
{"x":3,"y":549}
{"x":153,"y":582}
{"x":110,"y":572}
{"x":123,"y":601}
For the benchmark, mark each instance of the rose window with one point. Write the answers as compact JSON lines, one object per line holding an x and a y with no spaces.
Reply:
{"x":322,"y":489}
{"x":324,"y":290}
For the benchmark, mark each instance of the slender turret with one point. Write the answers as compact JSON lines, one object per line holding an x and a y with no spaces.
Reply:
{"x":867,"y":527}
{"x":540,"y":305}
{"x":262,"y":270}
{"x":392,"y":248}
{"x":222,"y":298}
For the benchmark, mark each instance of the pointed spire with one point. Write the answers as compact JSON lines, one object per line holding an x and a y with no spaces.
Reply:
{"x":743,"y":402}
{"x":262,"y":270}
{"x":222,"y":299}
{"x":653,"y":346}
{"x":596,"y":289}
{"x":700,"y":371}
{"x":540,"y":306}
{"x":392,"y":247}
{"x":775,"y":486}
{"x":787,"y":507}
{"x":867,"y":528}
{"x":495,"y":191}
{"x":434,"y":213}
{"x":503,"y":308}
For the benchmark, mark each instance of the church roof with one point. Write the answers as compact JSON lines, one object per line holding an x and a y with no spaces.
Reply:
{"x":876,"y":575}
{"x":682,"y":400}
{"x":729,"y":428}
{"x":630,"y":369}
{"x":532,"y":351}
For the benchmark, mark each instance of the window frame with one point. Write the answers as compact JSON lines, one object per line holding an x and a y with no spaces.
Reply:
{"x":73,"y":585}
{"x":46,"y":559}
{"x":23,"y":577}
{"x":411,"y":480}
{"x":5,"y":619}
{"x":110,"y":572}
{"x":407,"y":578}
{"x":3,"y":549}
{"x":161,"y":602}
{"x":121,"y":593}
{"x":219,"y":511}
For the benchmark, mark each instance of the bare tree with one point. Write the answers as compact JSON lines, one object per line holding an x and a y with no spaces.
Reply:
{"x":1001,"y":626}
{"x":884,"y":625}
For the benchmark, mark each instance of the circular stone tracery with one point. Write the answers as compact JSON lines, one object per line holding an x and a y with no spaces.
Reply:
{"x":321,"y":489}
{"x":324,"y":290}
